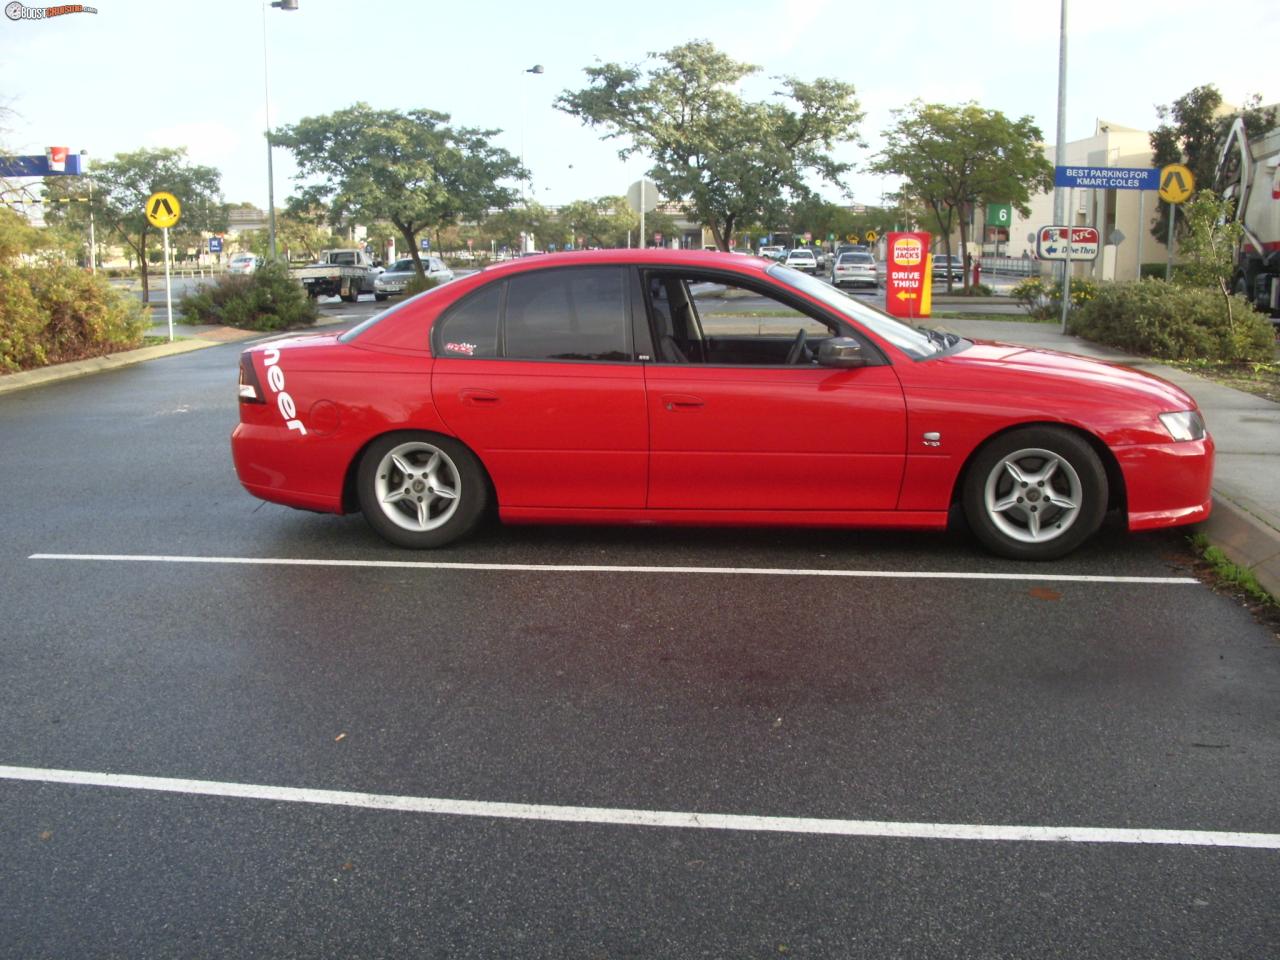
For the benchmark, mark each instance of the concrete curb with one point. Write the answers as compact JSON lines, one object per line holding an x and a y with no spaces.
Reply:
{"x":112,"y":361}
{"x":1246,"y":539}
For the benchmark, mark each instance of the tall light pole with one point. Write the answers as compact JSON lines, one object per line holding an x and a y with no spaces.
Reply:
{"x":266,"y":95}
{"x":536,"y":69}
{"x":93,"y":249}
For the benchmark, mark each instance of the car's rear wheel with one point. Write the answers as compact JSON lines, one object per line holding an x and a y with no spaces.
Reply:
{"x":1035,"y":494}
{"x":381,"y":296}
{"x":421,"y":490}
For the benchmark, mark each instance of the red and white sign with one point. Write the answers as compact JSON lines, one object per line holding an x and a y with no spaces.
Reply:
{"x":907,"y":288}
{"x":57,"y":159}
{"x":1051,"y":243}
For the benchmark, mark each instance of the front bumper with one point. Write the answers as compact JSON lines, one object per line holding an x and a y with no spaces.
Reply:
{"x":1167,"y":484}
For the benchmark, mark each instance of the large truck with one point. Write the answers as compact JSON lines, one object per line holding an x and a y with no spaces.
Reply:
{"x":1249,"y":176}
{"x":338,"y":273}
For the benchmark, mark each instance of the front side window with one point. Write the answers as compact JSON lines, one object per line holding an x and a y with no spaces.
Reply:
{"x":568,"y":314}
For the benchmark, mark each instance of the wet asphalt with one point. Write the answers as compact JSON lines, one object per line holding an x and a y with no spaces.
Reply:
{"x":1038,"y":702}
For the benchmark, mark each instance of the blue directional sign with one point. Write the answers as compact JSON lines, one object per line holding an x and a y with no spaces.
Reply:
{"x":38,"y":166}
{"x":215,"y":244}
{"x":1107,"y":178}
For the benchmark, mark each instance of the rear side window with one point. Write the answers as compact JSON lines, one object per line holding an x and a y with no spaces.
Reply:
{"x":568,"y":314}
{"x":471,"y":328}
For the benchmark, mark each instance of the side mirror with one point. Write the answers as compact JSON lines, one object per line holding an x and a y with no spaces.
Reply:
{"x":842,"y":352}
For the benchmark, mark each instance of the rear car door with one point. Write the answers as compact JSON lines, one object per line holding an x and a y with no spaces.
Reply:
{"x":537,"y":374}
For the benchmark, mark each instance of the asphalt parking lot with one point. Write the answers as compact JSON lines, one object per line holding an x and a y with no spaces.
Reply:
{"x":595,"y":742}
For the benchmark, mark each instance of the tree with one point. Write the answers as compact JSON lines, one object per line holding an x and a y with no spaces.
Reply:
{"x":121,"y":187}
{"x":411,"y":169}
{"x":737,"y":162}
{"x":953,"y":157}
{"x":1194,"y":138}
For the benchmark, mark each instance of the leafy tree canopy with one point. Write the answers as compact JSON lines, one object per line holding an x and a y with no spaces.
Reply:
{"x":954,"y":157}
{"x":736,"y":161}
{"x":121,"y":187}
{"x":409,"y":169}
{"x":1192,"y":130}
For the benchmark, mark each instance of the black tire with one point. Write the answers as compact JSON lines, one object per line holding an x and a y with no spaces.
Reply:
{"x":381,"y":296}
{"x":442,"y":500}
{"x":1017,"y":491}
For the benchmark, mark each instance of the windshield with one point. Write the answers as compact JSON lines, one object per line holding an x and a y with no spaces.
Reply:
{"x":401,"y":266}
{"x":914,"y":342}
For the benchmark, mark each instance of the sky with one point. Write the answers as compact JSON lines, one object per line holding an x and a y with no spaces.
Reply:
{"x":181,"y":73}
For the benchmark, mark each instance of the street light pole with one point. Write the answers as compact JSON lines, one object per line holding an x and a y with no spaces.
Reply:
{"x":537,"y":70}
{"x":93,"y":249}
{"x":266,"y":95}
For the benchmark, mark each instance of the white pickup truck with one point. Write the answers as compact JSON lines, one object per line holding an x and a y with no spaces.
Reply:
{"x":338,"y":273}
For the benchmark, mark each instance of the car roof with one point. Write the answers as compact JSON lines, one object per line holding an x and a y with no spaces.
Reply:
{"x":649,"y":257}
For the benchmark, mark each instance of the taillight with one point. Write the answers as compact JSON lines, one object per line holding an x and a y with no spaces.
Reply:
{"x":250,"y":386}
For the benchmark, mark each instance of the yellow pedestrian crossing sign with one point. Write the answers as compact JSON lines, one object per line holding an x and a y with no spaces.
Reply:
{"x":163,"y":210}
{"x":1176,"y":183}
{"x":871,"y":236}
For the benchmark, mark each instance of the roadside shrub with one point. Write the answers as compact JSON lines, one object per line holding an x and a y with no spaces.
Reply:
{"x":1042,"y":298}
{"x":267,"y":299}
{"x":1157,"y":319}
{"x":54,"y":313}
{"x":417,"y":284}
{"x":974,"y":290}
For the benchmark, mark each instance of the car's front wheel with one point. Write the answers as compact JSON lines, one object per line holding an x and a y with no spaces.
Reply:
{"x":1035,"y":493}
{"x":421,"y":490}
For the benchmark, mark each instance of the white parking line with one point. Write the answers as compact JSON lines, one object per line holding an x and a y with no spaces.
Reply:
{"x":648,"y":818}
{"x":1038,"y":577}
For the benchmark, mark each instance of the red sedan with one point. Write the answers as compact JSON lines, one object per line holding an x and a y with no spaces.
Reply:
{"x":659,"y":386}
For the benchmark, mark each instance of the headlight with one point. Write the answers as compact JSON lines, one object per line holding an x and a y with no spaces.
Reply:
{"x":1184,"y":425}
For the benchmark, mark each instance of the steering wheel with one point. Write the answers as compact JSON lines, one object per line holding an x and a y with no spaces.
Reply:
{"x":797,"y":351}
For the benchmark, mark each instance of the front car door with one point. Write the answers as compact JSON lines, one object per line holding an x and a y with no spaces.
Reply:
{"x":735,"y":426}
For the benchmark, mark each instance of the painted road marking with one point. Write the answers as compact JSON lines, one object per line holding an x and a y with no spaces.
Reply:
{"x":604,"y":568}
{"x":648,"y":818}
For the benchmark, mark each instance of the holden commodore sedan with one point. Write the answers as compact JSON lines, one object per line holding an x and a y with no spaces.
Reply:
{"x":642,"y":386}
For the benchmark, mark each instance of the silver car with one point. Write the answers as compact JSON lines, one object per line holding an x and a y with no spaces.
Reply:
{"x":802,"y":258}
{"x":392,"y":280}
{"x":854,"y":270}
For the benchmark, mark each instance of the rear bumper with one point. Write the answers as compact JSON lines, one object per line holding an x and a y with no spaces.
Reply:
{"x":1167,"y":484}
{"x":267,"y":470}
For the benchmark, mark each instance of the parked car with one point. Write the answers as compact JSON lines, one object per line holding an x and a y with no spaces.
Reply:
{"x":594,"y":387}
{"x":855,"y":270}
{"x":802,"y":258}
{"x":392,"y":280}
{"x":243,"y":263}
{"x":943,"y":264}
{"x":773,"y":253}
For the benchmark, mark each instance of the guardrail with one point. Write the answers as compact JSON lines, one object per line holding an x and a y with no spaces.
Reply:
{"x":1011,"y":266}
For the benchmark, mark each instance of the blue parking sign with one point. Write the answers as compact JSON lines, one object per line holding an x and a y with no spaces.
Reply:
{"x":215,"y":244}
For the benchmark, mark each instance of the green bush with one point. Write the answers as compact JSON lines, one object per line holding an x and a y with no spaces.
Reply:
{"x":417,"y":284}
{"x":267,"y":299}
{"x":1042,"y":299}
{"x":1157,"y":319}
{"x":54,"y":313}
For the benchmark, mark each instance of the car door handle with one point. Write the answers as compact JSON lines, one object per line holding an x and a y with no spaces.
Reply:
{"x":478,"y":398}
{"x":681,"y":401}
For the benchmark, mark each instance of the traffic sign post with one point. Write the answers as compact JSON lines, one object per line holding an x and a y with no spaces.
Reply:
{"x":1176,"y":184}
{"x":163,"y":211}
